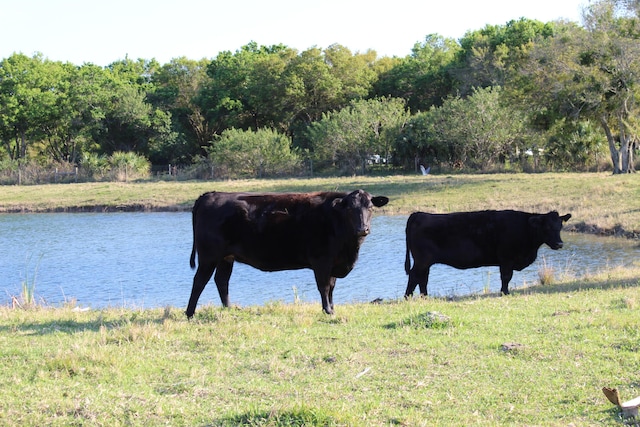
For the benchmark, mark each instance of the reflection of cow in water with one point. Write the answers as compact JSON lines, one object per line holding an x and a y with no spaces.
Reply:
{"x":273,"y":232}
{"x":508,"y":239}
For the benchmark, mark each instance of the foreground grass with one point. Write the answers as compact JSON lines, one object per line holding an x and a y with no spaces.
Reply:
{"x":599,"y":200}
{"x":537,"y":357}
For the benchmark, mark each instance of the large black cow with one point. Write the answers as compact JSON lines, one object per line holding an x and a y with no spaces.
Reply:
{"x":322,"y":231}
{"x":508,"y":239}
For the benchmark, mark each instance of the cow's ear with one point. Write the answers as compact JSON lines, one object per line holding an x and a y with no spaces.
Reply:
{"x":379,"y":201}
{"x":337,"y":202}
{"x":565,"y":218}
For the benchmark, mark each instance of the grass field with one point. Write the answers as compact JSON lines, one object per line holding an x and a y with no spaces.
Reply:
{"x":538,"y":357}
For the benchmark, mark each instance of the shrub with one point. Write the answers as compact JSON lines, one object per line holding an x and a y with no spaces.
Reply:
{"x":125,"y":166}
{"x":245,"y":153}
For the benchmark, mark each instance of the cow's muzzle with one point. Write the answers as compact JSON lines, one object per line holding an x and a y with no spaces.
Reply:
{"x":363,"y":232}
{"x":557,"y":245}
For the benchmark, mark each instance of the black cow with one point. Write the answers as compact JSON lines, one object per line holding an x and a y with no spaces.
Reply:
{"x":508,"y":239}
{"x":322,"y":231}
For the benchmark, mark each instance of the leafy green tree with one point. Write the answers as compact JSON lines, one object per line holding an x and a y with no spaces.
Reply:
{"x":477,"y":132}
{"x":355,"y":72}
{"x":424,"y":78}
{"x":29,"y":92}
{"x":312,"y":89}
{"x":77,"y":111}
{"x":245,"y":153}
{"x":127,"y":121}
{"x":488,"y":57}
{"x":275,"y":87}
{"x":177,"y":88}
{"x":593,"y":73}
{"x":350,"y":136}
{"x":247,"y":88}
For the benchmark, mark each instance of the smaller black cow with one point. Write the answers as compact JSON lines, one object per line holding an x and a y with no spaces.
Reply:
{"x":321,"y":231}
{"x":507,"y":239}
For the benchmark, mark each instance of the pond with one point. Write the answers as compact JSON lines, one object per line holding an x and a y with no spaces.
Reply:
{"x":141,"y":260}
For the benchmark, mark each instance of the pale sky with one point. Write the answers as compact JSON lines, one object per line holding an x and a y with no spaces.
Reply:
{"x":101,"y":32}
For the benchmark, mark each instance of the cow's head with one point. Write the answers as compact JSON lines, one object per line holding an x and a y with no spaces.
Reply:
{"x":357,"y":207}
{"x":548,"y":226}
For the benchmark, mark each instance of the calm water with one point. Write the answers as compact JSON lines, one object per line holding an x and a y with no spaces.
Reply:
{"x":142,"y":260}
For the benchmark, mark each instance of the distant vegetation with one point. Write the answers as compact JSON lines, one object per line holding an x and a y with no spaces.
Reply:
{"x":524,"y":96}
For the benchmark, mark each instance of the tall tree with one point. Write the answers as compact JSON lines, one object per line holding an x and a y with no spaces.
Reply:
{"x":128,"y":121}
{"x":28,"y":94}
{"x":489,"y":56}
{"x":424,"y":78}
{"x":355,"y":71}
{"x":247,"y":88}
{"x":594,"y":73}
{"x":177,"y":89}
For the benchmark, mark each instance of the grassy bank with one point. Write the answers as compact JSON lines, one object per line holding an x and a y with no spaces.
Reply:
{"x":538,"y":357}
{"x":598,"y":202}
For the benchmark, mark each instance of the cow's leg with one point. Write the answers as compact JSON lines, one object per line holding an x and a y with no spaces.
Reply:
{"x":325,"y":283}
{"x":332,"y":285}
{"x":506,"y":273}
{"x":200,"y":280}
{"x":424,"y":281}
{"x":223,"y":273}
{"x":418,"y":275}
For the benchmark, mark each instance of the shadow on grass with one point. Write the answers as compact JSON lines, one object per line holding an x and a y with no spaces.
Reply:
{"x":566,"y":287}
{"x":295,"y":417}
{"x":580,"y":285}
{"x":97,"y":322}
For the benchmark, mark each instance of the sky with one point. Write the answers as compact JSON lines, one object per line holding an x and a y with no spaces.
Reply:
{"x":102,"y":32}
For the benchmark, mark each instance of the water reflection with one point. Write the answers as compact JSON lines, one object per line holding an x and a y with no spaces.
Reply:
{"x":142,"y":260}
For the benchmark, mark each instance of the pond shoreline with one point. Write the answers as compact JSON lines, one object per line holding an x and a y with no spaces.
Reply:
{"x":581,"y":227}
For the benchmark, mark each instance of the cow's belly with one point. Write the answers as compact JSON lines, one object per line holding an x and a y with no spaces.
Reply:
{"x":270,"y":256}
{"x":463,"y":264}
{"x":465,"y":255}
{"x":275,"y":259}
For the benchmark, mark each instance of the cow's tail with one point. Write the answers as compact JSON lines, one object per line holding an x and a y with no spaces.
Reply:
{"x":407,"y":257}
{"x":192,"y":261}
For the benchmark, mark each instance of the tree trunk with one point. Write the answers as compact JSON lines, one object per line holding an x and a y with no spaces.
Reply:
{"x":616,"y":157}
{"x":626,"y":147}
{"x":23,"y":146}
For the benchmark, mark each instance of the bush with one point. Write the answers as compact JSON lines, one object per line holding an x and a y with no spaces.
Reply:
{"x":260,"y":154}
{"x":125,"y":166}
{"x":94,"y":166}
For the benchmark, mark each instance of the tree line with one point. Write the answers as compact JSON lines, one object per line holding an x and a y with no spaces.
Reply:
{"x":525,"y":95}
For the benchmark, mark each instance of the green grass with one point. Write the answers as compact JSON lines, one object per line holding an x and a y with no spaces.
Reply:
{"x":537,"y":357}
{"x":600,"y":200}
